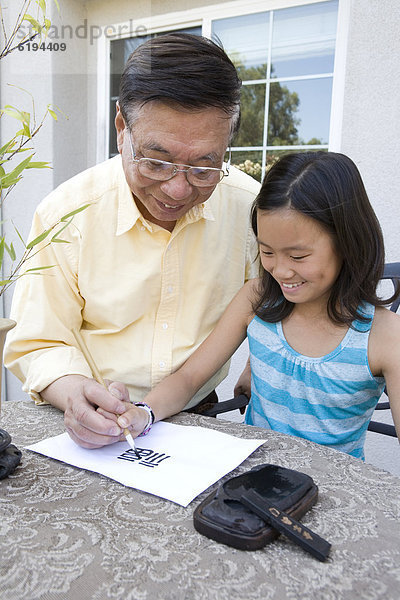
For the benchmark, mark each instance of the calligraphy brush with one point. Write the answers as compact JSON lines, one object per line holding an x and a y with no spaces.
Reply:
{"x":96,"y":374}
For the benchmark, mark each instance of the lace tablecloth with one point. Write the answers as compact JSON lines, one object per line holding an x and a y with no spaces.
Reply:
{"x":72,"y":534}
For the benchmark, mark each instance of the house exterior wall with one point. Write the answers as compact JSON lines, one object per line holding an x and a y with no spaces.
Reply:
{"x":371,"y":114}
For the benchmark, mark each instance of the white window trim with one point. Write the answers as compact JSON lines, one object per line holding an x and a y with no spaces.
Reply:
{"x":339,"y":70}
{"x":194,"y":17}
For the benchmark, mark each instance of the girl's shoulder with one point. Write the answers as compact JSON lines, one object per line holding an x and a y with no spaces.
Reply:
{"x":384,"y":321}
{"x":384,"y":342}
{"x":252,"y":286}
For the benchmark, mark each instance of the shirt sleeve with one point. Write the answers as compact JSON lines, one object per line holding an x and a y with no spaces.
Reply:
{"x":252,"y":257}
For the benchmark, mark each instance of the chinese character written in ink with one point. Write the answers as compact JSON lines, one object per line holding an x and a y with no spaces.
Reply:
{"x":147,"y":458}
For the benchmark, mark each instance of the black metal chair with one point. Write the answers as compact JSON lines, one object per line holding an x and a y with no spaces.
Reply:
{"x":392,"y":272}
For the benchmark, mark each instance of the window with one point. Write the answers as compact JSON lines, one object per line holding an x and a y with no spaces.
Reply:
{"x":119,"y":52}
{"x":285,"y":58}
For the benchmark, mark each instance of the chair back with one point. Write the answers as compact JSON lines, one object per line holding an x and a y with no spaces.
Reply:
{"x":392,"y":272}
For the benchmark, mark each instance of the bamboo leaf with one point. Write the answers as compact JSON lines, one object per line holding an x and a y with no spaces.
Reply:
{"x":33,"y":269}
{"x":74,"y":212}
{"x":19,"y":235}
{"x":14,"y":175}
{"x":38,"y":165}
{"x":8,"y":146}
{"x":36,"y":26}
{"x":38,"y":239}
{"x":2,"y":245}
{"x":5,"y":281}
{"x":42,"y":5}
{"x":53,"y":114}
{"x":62,"y":228}
{"x":13,"y":112}
{"x":23,"y":150}
{"x":26,"y":117}
{"x":26,"y":131}
{"x":11,"y":251}
{"x":22,"y":165}
{"x":7,"y":181}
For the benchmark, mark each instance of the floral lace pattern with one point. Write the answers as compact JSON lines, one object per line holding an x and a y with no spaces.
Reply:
{"x":67,"y":533}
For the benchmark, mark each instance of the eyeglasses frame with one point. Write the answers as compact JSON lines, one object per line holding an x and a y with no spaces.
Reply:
{"x":225,"y":172}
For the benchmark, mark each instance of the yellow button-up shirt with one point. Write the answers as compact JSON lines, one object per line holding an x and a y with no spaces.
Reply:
{"x":144,"y":298}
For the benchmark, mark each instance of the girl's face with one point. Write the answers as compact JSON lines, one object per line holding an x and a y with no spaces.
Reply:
{"x":299,"y":254}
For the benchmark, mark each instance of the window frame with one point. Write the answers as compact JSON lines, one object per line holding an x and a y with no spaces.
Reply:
{"x":194,"y":17}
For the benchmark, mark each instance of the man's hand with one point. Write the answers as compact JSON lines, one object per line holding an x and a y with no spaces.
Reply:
{"x":90,"y":411}
{"x":134,"y":418}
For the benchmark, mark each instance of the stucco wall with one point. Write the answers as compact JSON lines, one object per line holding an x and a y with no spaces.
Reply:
{"x":371,"y":113}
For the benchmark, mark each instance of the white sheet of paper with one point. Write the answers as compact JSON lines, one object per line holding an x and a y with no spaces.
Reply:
{"x":176,"y":462}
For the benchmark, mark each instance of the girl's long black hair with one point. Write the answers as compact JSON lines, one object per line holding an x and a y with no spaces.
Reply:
{"x":327,"y":187}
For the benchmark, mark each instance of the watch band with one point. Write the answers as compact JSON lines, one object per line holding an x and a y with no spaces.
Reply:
{"x":151,"y":416}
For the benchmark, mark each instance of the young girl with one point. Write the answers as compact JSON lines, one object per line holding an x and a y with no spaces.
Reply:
{"x":321,"y":345}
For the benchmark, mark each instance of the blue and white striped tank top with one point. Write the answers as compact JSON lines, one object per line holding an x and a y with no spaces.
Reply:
{"x":328,"y":400}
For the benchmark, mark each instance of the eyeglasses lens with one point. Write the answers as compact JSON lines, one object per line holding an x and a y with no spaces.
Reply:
{"x":162,"y":171}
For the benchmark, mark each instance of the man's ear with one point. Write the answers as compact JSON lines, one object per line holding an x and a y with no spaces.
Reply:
{"x":120,"y":127}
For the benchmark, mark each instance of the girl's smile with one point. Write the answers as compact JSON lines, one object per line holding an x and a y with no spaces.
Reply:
{"x":291,"y":287}
{"x":299,"y":254}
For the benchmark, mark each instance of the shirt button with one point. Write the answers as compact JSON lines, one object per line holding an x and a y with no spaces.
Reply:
{"x":162,"y":364}
{"x":170,"y":289}
{"x":142,"y":228}
{"x":165,"y":325}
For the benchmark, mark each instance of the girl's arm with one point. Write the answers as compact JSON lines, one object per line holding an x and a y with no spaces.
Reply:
{"x":174,"y":392}
{"x":385,"y":357}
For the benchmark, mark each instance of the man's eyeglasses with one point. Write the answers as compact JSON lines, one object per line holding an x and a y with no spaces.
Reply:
{"x":162,"y":170}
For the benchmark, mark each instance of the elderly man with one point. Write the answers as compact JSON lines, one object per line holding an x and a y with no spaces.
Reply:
{"x":156,"y":257}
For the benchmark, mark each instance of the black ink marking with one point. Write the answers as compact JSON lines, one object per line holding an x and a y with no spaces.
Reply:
{"x":144,"y":456}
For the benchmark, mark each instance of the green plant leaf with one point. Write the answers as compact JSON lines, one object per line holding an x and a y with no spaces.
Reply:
{"x":36,"y":26}
{"x":19,"y":235}
{"x":38,"y":165}
{"x":55,"y":237}
{"x":8,"y":146}
{"x":74,"y":212}
{"x":26,"y":131}
{"x":2,"y":245}
{"x":52,"y":113}
{"x":14,"y":176}
{"x":38,"y":239}
{"x":14,"y":113}
{"x":7,"y":181}
{"x":11,"y":251}
{"x":33,"y":269}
